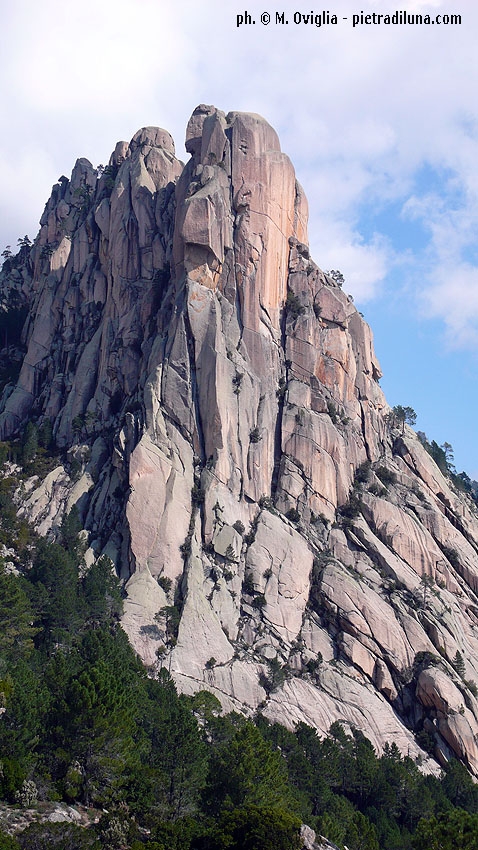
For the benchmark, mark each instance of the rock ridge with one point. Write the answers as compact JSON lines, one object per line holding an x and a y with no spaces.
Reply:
{"x":226,"y":442}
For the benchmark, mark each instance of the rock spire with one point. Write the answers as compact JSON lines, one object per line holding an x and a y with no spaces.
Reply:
{"x":281,"y":543}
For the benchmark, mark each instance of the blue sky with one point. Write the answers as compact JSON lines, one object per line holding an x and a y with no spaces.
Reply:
{"x":381,"y":123}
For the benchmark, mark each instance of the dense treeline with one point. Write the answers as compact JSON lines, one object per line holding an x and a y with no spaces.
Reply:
{"x":83,"y":723}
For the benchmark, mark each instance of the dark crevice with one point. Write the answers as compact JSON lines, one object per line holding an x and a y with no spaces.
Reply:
{"x":277,"y":447}
{"x":238,"y":307}
{"x":280,"y":412}
{"x":238,"y":299}
{"x":362,"y":421}
{"x":201,"y":448}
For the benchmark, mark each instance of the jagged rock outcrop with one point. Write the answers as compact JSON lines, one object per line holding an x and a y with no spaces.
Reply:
{"x":226,"y":441}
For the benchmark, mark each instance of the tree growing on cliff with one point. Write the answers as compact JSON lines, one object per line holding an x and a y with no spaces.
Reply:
{"x":459,"y":664}
{"x":400,"y":416}
{"x":29,"y":442}
{"x":337,"y":276}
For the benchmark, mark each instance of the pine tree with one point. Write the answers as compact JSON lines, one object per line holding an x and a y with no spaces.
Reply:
{"x":459,"y":664}
{"x":246,"y":770}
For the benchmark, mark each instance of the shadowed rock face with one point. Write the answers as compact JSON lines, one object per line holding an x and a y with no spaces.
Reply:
{"x":219,"y":392}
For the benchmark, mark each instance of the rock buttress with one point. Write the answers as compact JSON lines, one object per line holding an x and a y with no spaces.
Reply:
{"x":281,"y":543}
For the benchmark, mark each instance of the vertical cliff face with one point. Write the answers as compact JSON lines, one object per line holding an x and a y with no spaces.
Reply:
{"x":282,"y":543}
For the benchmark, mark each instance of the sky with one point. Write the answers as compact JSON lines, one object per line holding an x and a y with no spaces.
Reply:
{"x":380,"y":121}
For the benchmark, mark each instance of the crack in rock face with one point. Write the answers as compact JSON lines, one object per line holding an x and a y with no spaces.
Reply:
{"x":216,"y":398}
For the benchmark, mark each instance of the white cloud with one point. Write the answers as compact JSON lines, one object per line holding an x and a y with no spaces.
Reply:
{"x":448,"y":276}
{"x":452,"y":294}
{"x":23,"y":185}
{"x":364,"y":265}
{"x":359,"y":111}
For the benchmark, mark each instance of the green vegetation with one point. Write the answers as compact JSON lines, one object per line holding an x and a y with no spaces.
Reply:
{"x":444,"y":459}
{"x":166,"y":583}
{"x":255,"y":435}
{"x":259,"y":601}
{"x":400,"y":416}
{"x":197,"y":495}
{"x":12,"y":320}
{"x":377,"y":490}
{"x":35,"y":450}
{"x":230,"y":554}
{"x":293,"y":307}
{"x":362,"y":473}
{"x":83,"y":723}
{"x":459,"y":664}
{"x":443,"y":455}
{"x":248,"y":584}
{"x":387,"y":476}
{"x":332,"y":411}
{"x":456,"y":830}
{"x":11,"y":324}
{"x":336,"y":276}
{"x":353,"y":508}
{"x":24,"y":242}
{"x":266,"y":503}
{"x":237,"y":382}
{"x":108,"y":173}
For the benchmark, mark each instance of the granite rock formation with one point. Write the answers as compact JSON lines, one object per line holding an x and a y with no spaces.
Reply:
{"x":226,"y":442}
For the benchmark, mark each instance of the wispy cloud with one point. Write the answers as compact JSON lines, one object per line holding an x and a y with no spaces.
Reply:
{"x":452,"y":294}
